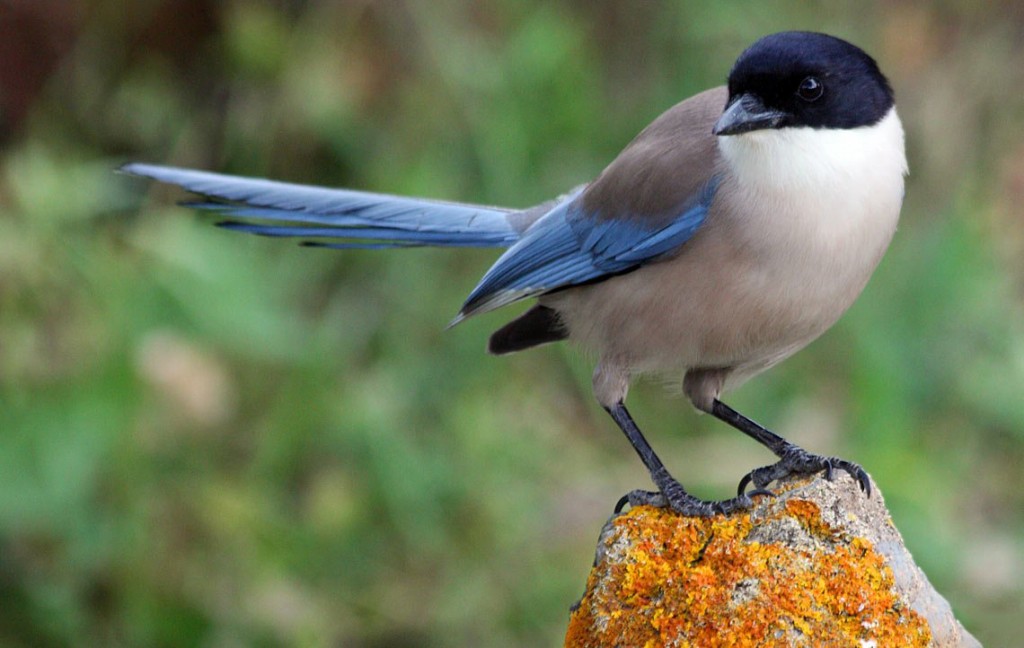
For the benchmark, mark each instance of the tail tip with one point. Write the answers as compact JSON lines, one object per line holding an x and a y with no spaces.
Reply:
{"x":458,"y":319}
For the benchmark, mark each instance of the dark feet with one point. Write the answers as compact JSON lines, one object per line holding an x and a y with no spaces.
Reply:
{"x":797,"y":461}
{"x":793,"y":460}
{"x":677,"y":499}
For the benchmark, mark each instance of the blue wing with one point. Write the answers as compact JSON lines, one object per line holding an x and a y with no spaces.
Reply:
{"x":568,"y":246}
{"x":357,"y":219}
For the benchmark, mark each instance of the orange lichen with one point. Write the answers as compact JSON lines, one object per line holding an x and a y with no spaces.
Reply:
{"x":708,"y":582}
{"x":808,"y":515}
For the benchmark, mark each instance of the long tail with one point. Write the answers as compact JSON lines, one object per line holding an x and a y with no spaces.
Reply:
{"x":350,"y":219}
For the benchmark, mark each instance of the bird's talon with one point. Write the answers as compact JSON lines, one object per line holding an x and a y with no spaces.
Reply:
{"x":743,"y":484}
{"x":621,"y":504}
{"x":683,"y":503}
{"x":796,"y":461}
{"x":829,"y":474}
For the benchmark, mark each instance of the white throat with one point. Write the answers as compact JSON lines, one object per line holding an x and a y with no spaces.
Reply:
{"x":791,"y":159}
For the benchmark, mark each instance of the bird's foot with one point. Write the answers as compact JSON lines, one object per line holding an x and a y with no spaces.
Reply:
{"x":797,"y":461}
{"x":675,"y":497}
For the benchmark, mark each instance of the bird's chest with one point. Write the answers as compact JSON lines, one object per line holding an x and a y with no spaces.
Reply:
{"x":815,"y":249}
{"x":811,"y":213}
{"x":790,"y":241}
{"x":738,"y":296}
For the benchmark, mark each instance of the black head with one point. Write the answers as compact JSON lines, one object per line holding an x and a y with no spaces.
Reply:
{"x":804,"y":79}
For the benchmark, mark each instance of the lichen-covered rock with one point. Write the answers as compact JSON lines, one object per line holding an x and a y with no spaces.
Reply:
{"x":819,"y":565}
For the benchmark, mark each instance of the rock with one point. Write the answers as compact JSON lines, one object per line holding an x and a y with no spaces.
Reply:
{"x":819,"y":565}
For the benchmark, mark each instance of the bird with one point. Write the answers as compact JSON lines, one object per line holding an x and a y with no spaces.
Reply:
{"x":730,"y":233}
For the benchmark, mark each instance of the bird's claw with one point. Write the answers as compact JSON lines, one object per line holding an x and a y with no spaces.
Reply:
{"x":685,"y":504}
{"x":801,"y":462}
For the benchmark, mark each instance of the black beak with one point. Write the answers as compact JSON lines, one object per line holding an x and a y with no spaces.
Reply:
{"x":747,"y":113}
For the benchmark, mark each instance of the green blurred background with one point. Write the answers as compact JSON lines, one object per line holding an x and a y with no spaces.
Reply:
{"x":208,"y":439}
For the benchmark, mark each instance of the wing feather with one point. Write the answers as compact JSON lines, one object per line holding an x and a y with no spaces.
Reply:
{"x":568,"y":246}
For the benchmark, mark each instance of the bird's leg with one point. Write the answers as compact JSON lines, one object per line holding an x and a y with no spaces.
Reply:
{"x":670,"y":492}
{"x":792,"y":458}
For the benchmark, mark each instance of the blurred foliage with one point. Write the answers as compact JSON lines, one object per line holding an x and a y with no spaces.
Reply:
{"x":216,"y":440}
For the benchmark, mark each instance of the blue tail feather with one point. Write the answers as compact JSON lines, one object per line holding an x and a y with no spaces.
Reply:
{"x":359,"y":219}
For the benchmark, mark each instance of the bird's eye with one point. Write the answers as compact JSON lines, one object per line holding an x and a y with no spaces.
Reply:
{"x":810,"y":89}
